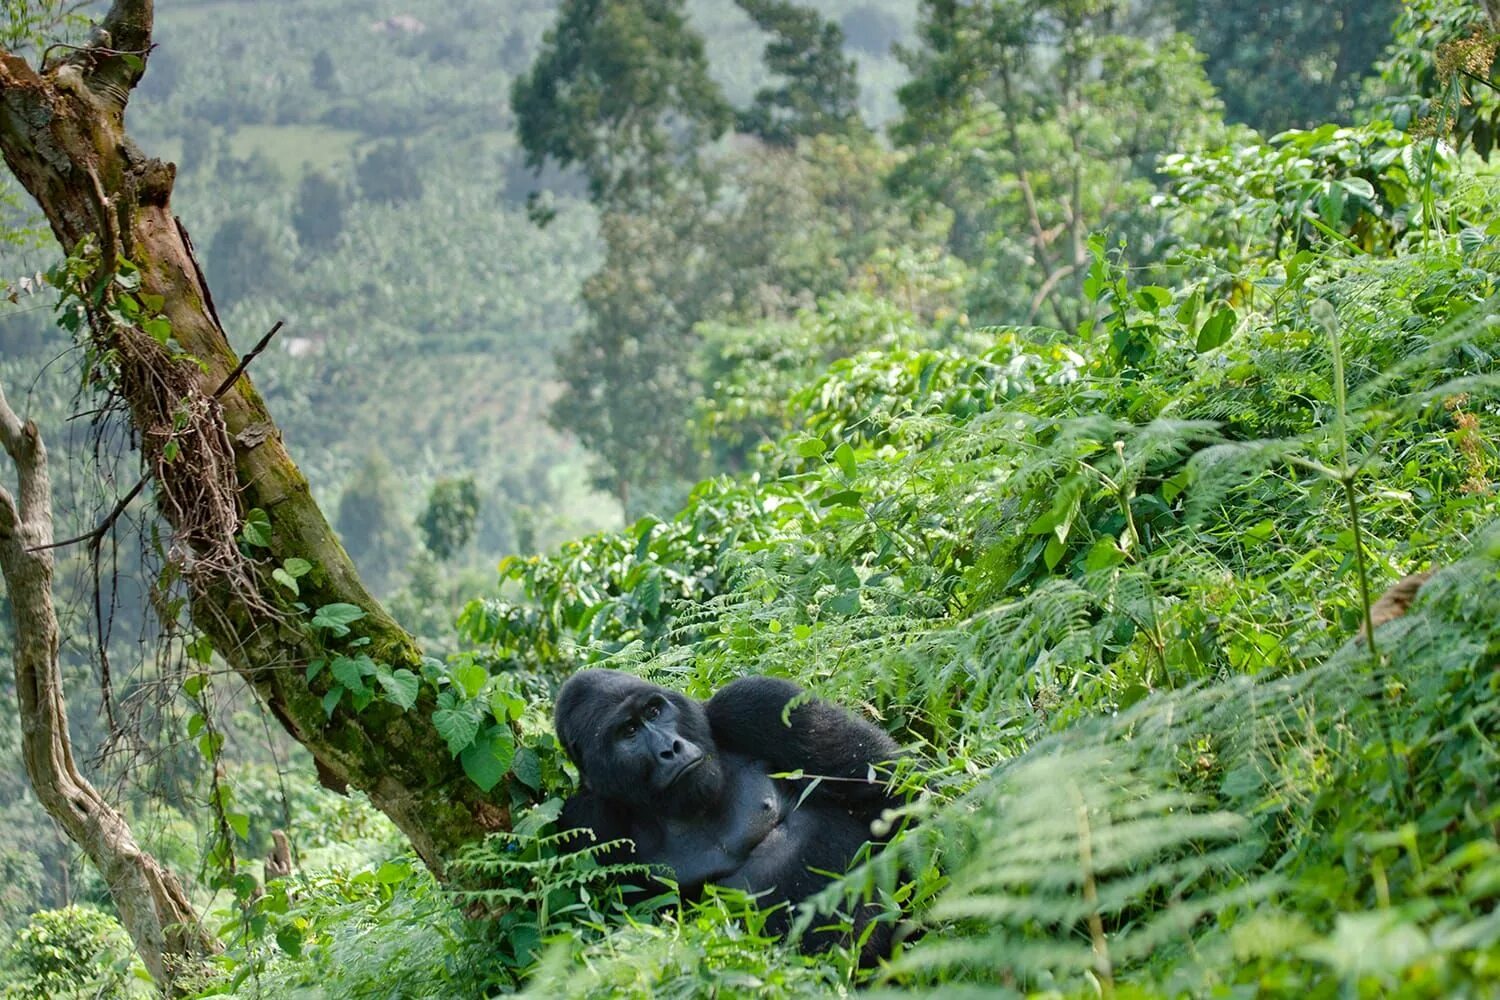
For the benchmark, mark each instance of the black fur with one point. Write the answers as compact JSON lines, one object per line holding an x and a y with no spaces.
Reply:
{"x":689,"y":783}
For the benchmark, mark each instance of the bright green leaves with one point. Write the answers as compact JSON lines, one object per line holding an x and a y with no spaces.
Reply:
{"x":843,"y":455}
{"x":475,"y":710}
{"x":457,"y":719}
{"x":489,"y":756}
{"x":290,"y":571}
{"x":352,"y":671}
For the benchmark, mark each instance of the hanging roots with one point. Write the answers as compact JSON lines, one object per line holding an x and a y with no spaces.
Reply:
{"x":187,"y":449}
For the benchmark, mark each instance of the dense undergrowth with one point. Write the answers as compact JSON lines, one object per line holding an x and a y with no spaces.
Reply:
{"x":1108,"y":589}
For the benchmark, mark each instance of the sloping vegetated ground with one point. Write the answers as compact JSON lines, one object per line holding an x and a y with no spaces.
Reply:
{"x":1110,"y":591}
{"x":1115,"y":587}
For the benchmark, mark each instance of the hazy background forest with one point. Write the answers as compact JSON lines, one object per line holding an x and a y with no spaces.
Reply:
{"x":888,"y":345}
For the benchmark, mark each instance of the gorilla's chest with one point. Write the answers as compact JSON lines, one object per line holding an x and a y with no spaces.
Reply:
{"x":757,"y":830}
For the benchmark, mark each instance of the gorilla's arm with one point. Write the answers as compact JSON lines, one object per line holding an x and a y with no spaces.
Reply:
{"x":817,"y":738}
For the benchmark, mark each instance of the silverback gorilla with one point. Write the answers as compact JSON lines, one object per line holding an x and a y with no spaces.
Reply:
{"x":690,"y":783}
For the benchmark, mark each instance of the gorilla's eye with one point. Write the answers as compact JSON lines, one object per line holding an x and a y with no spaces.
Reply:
{"x":630,"y":729}
{"x":653,"y":709}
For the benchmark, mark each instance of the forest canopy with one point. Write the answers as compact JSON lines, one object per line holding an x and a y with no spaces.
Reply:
{"x":1096,"y":397}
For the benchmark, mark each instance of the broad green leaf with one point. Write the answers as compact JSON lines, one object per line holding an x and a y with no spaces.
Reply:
{"x":505,"y":705}
{"x":844,"y":456}
{"x":528,"y":769}
{"x":1218,"y":329}
{"x":470,"y":678}
{"x":337,"y":617}
{"x":350,"y":671}
{"x":458,"y":726}
{"x":536,"y":818}
{"x":257,"y":529}
{"x":401,"y":686}
{"x":1152,"y":298}
{"x":159,"y":329}
{"x":200,"y":650}
{"x":845,"y":603}
{"x":489,"y":758}
{"x":239,"y":823}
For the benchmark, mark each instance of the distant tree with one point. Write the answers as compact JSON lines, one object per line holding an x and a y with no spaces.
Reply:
{"x":325,"y":75}
{"x":620,"y":88}
{"x":318,"y":215}
{"x":1282,"y":64}
{"x":243,"y":259}
{"x":389,"y":173}
{"x":447,"y":522}
{"x":817,"y":91}
{"x":371,"y":524}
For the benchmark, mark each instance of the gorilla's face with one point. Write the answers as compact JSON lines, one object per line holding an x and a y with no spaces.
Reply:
{"x":638,"y":743}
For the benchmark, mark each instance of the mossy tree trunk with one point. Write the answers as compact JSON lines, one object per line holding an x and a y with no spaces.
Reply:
{"x":213,"y":451}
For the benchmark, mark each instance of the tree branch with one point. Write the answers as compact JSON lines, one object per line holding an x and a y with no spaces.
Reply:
{"x":151,"y":903}
{"x":117,"y":60}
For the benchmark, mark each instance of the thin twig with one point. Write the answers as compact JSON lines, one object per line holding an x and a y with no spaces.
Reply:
{"x":93,"y":537}
{"x":239,"y":369}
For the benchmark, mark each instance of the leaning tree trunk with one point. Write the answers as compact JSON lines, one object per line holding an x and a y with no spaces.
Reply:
{"x":150,"y":901}
{"x":208,"y":443}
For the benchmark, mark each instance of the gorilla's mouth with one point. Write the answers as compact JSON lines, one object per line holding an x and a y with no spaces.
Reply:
{"x":691,"y":765}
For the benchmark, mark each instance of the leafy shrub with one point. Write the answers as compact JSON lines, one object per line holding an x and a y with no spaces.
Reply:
{"x":73,"y":952}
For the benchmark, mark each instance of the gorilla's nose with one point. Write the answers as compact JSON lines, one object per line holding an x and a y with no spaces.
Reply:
{"x":672,"y":751}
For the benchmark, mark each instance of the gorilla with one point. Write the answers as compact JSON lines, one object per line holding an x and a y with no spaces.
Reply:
{"x":690,"y":783}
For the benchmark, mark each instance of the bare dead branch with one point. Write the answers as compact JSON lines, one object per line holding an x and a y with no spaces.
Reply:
{"x":239,"y":369}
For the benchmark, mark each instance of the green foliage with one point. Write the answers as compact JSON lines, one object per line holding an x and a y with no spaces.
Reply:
{"x":447,"y":523}
{"x":390,"y":173}
{"x":32,"y":24}
{"x":384,"y":929}
{"x":787,"y":225}
{"x":74,"y":952}
{"x":1107,"y":590}
{"x":319,"y":213}
{"x":1103,"y":578}
{"x":1034,"y":124}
